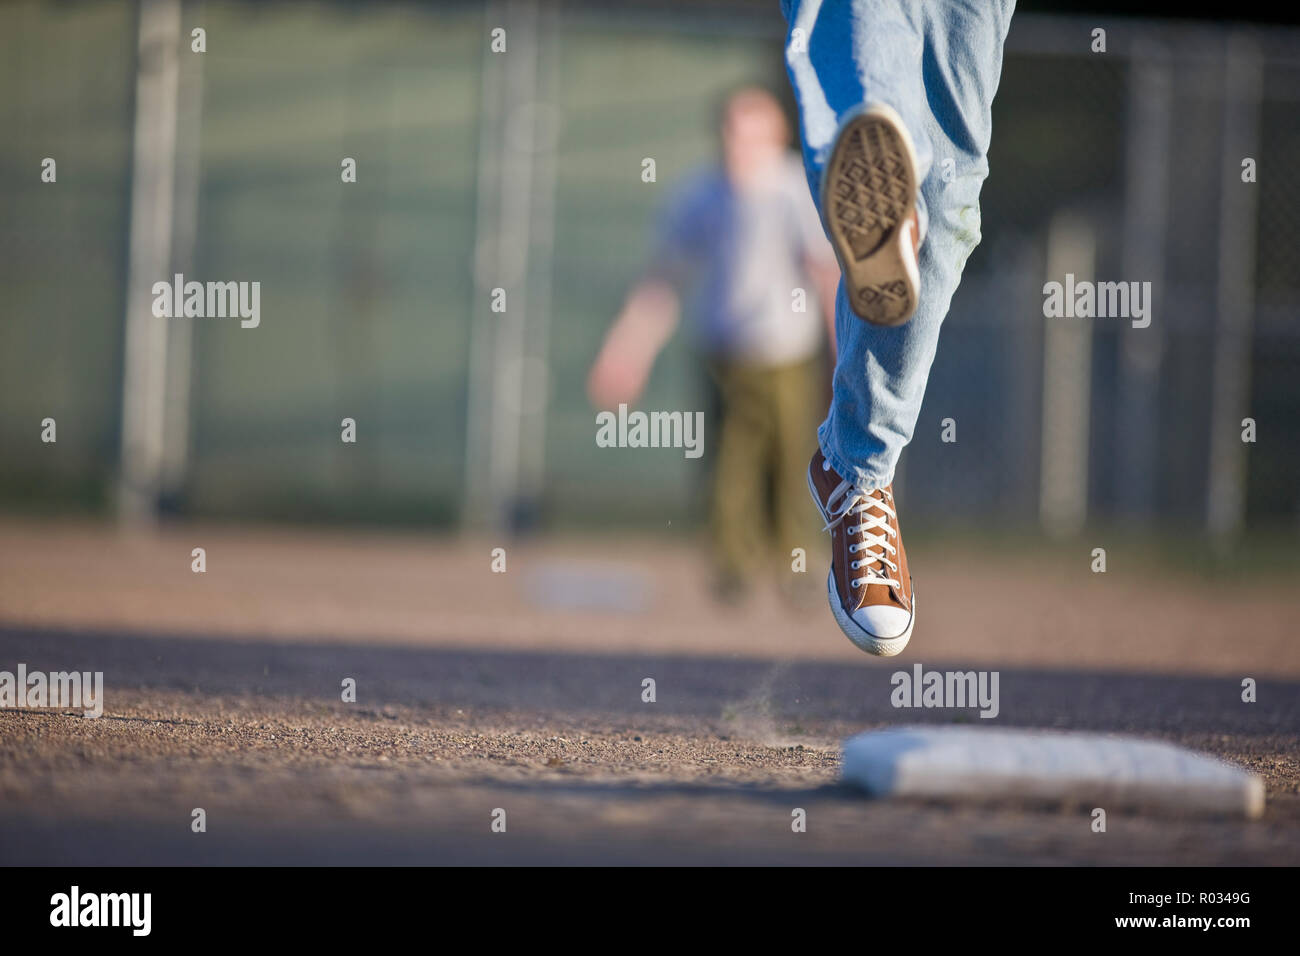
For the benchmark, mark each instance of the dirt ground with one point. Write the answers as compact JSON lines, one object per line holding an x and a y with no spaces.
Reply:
{"x":521,"y":692}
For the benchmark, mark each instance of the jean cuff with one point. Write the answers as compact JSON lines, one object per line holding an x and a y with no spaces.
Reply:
{"x":862,"y":478}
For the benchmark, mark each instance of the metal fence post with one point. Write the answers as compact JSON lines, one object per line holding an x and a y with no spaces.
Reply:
{"x":1145,"y":227}
{"x":1067,"y":385}
{"x":152,"y":179}
{"x":515,"y":223}
{"x":1235,"y":307}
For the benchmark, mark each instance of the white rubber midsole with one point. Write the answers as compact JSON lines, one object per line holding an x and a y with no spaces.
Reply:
{"x":859,"y":635}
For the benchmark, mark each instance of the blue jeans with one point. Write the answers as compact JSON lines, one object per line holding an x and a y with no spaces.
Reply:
{"x":937,"y":64}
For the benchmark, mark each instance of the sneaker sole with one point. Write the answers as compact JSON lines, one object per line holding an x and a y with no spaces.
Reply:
{"x":868,"y":197}
{"x":862,"y":638}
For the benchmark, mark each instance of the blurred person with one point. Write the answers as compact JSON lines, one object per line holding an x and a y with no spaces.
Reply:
{"x":744,"y":231}
{"x":895,"y":101}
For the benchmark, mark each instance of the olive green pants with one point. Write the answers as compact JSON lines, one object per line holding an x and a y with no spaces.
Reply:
{"x":761,"y":510}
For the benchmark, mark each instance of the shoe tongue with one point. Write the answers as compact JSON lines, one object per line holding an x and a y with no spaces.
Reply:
{"x":877,"y":511}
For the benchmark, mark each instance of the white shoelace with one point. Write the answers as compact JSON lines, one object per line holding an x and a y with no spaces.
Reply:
{"x":875,"y":546}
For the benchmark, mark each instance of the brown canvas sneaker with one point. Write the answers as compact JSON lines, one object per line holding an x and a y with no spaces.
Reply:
{"x":869,"y":586}
{"x":869,"y":189}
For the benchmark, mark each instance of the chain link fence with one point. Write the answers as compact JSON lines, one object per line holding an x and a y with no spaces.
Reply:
{"x":520,"y":171}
